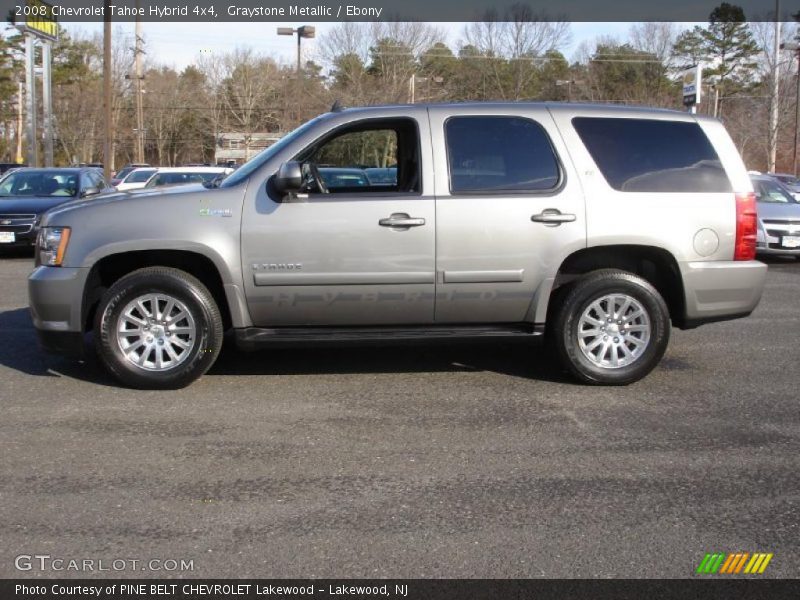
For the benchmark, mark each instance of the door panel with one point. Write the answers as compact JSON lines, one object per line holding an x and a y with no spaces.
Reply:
{"x":495,"y":249}
{"x":326,"y":259}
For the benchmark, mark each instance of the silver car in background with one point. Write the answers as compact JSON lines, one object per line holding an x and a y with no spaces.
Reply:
{"x":135,"y":179}
{"x":791,"y":182}
{"x":778,"y":218}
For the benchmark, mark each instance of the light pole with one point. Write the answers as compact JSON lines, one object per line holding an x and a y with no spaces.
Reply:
{"x":108,"y":133}
{"x":773,"y":113}
{"x":795,"y":47}
{"x":305,"y":31}
{"x":569,"y":83}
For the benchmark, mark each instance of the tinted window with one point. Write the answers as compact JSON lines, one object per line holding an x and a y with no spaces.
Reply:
{"x":492,"y":154}
{"x":645,"y":155}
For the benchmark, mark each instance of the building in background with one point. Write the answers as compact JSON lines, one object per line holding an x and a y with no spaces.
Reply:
{"x":238,"y":148}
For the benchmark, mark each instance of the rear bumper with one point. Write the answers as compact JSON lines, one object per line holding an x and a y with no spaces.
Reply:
{"x":55,"y":295}
{"x":721,"y":290}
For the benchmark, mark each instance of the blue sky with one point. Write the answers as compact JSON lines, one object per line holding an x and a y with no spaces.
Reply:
{"x":180,"y":44}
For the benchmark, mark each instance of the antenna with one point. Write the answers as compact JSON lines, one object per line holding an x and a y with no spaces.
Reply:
{"x":337,"y":106}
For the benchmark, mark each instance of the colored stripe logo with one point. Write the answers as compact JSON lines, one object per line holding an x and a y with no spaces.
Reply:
{"x":721,"y":563}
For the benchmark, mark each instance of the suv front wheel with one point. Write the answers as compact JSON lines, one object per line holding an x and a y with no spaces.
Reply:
{"x":158,"y":328}
{"x":612,"y":328}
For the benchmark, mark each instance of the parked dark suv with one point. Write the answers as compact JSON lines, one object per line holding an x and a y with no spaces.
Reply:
{"x":28,"y":193}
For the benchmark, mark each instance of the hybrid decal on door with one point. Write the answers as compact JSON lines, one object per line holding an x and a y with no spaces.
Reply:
{"x":216,"y":212}
{"x":277,"y":266}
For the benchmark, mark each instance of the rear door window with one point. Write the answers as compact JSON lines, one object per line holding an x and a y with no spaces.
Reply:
{"x":649,"y":155}
{"x":500,"y":154}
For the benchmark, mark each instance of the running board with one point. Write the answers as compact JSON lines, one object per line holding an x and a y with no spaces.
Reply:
{"x":252,"y":338}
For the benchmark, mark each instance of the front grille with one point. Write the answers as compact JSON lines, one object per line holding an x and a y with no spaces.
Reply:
{"x":784,"y":222}
{"x":781,"y":232}
{"x":17,"y":223}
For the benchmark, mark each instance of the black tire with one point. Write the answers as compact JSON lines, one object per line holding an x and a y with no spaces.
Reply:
{"x":577,"y":299}
{"x":208,"y":330}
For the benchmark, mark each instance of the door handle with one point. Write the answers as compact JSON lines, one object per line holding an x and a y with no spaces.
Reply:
{"x":553,"y":217}
{"x":401,"y":220}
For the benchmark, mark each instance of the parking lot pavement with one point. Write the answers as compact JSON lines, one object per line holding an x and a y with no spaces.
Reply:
{"x":470,"y":461}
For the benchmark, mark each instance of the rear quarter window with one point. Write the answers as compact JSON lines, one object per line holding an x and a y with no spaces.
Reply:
{"x":649,"y":155}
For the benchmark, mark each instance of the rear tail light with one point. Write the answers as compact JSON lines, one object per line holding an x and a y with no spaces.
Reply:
{"x":745,"y":247}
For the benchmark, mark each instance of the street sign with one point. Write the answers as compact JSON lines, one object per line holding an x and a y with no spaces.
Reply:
{"x":692,"y":85}
{"x":40,"y":20}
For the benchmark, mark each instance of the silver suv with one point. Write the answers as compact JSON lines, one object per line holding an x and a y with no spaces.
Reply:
{"x":597,"y":228}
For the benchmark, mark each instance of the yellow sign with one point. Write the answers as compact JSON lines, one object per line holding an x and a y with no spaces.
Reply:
{"x":40,"y":20}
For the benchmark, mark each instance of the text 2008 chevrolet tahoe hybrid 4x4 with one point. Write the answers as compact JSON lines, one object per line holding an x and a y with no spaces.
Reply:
{"x":600,"y":226}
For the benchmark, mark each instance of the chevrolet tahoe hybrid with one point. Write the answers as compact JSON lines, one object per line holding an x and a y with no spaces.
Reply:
{"x":596,"y":228}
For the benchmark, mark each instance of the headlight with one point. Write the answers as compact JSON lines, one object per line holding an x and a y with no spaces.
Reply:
{"x":52,"y":245}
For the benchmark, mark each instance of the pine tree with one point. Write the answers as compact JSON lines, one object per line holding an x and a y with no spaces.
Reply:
{"x":726,"y":48}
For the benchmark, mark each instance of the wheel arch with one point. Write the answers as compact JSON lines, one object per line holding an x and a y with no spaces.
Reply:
{"x":115,"y":265}
{"x":654,"y":264}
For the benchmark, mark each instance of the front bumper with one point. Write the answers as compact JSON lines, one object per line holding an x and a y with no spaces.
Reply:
{"x":721,"y":290}
{"x":21,"y":240}
{"x":771,"y":250}
{"x":64,"y":343}
{"x":769,"y":240}
{"x":55,"y":295}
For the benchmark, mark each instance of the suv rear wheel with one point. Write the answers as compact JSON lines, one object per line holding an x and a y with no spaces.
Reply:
{"x":158,"y":328}
{"x":612,"y":328}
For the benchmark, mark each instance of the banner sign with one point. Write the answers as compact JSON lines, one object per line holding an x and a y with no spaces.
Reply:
{"x":39,"y":19}
{"x":692,"y":85}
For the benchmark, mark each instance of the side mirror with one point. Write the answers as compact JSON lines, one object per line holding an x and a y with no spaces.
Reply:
{"x":289,"y":177}
{"x":90,"y":191}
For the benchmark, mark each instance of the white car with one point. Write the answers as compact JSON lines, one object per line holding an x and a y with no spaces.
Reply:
{"x":136,"y":179}
{"x":184,"y":175}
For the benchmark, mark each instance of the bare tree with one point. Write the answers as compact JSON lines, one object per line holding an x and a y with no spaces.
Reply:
{"x":511,"y":44}
{"x":656,"y":38}
{"x":764,"y":35}
{"x":372,"y":63}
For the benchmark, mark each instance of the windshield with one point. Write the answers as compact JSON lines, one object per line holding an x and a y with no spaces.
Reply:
{"x":262,"y":157}
{"x":787,"y":180}
{"x":40,"y":183}
{"x":123,"y":173}
{"x":140,"y":175}
{"x":770,"y":191}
